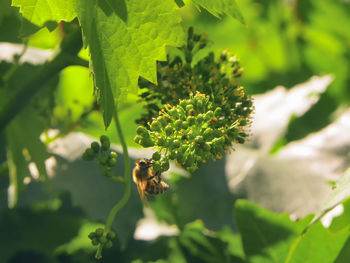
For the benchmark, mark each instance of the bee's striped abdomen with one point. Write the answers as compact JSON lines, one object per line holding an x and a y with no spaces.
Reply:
{"x":155,"y":187}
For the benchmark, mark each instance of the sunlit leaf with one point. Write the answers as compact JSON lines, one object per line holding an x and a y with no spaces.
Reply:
{"x":318,"y":245}
{"x":122,"y":48}
{"x":40,"y":11}
{"x":218,"y":8}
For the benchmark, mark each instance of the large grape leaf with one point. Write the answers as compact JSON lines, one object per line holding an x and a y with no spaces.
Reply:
{"x":319,"y":244}
{"x":266,"y":236}
{"x":40,"y":11}
{"x":218,"y":8}
{"x":123,"y":47}
{"x":126,"y":38}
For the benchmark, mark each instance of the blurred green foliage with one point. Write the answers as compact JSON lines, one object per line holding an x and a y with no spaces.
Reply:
{"x":284,"y":43}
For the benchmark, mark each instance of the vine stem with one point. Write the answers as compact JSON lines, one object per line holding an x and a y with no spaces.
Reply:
{"x":127,"y":181}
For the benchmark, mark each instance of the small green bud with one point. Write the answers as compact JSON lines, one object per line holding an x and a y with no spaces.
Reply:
{"x":94,"y":242}
{"x":110,"y":235}
{"x":156,"y":156}
{"x":112,"y":162}
{"x":176,"y":143}
{"x":199,"y":139}
{"x":209,"y":115}
{"x":173,"y":113}
{"x":95,"y":147}
{"x":183,"y":104}
{"x":104,"y":138}
{"x":243,"y":134}
{"x":105,"y":145}
{"x":200,"y":119}
{"x":242,"y":122}
{"x":160,"y":141}
{"x":178,"y":124}
{"x":156,"y":166}
{"x":147,"y":142}
{"x":208,"y":134}
{"x":109,"y":244}
{"x":138,"y":139}
{"x":99,"y":232}
{"x":218,"y":112}
{"x":165,"y":166}
{"x":240,"y":140}
{"x":141,"y":130}
{"x":103,"y":239}
{"x":92,"y":235}
{"x":113,"y":155}
{"x":183,"y":148}
{"x":155,"y":126}
{"x":217,"y":133}
{"x":162,"y":121}
{"x":168,"y":130}
{"x":191,"y":120}
{"x":172,"y":155}
{"x":184,"y":125}
{"x":103,"y":160}
{"x":189,"y":107}
{"x":180,"y":157}
{"x":218,"y":141}
{"x":88,"y":155}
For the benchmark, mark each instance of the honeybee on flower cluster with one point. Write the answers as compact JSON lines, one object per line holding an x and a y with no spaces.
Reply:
{"x":148,"y":181}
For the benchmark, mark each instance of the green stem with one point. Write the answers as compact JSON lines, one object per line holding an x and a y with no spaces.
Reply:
{"x":15,"y":64}
{"x":127,"y":181}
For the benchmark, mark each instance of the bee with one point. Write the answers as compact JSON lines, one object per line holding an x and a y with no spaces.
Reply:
{"x":148,"y":181}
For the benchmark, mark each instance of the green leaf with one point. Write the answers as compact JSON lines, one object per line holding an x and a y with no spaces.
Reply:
{"x":318,"y":245}
{"x":218,"y":8}
{"x":233,"y":241}
{"x":266,"y":237}
{"x":201,"y":243}
{"x":121,"y":50}
{"x":340,"y":193}
{"x":343,"y":220}
{"x":40,"y":11}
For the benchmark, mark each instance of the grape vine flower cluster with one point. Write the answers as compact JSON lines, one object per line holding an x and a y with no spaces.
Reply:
{"x":97,"y":237}
{"x":101,"y":153}
{"x":197,"y":111}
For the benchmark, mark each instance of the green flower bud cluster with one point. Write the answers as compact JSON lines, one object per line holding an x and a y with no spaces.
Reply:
{"x":98,"y":237}
{"x":100,"y":153}
{"x":197,"y":110}
{"x":193,"y":131}
{"x":179,"y":77}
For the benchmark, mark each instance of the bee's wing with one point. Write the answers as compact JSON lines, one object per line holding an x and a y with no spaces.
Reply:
{"x":141,"y":187}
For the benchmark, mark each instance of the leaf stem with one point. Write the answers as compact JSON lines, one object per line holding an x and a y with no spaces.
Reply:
{"x":127,"y":181}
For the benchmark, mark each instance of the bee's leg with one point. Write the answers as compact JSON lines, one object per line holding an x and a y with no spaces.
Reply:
{"x":157,"y":174}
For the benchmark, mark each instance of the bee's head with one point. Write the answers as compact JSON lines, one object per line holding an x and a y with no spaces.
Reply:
{"x":144,"y":163}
